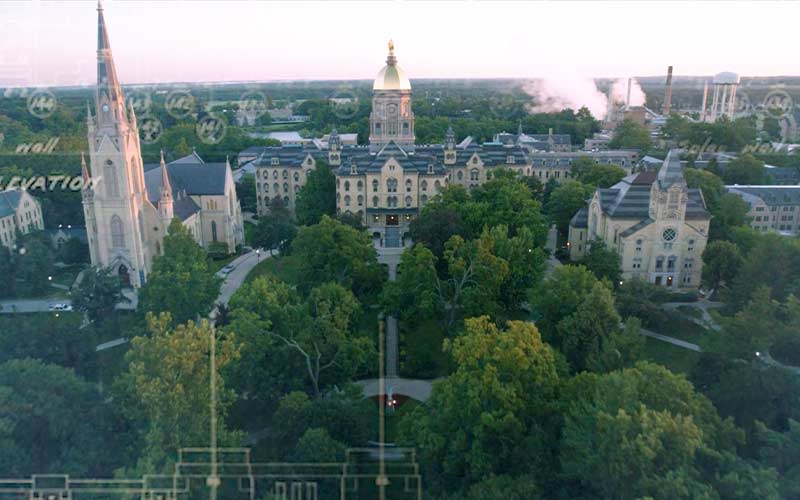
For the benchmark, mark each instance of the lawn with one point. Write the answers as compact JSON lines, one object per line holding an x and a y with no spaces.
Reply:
{"x":680,"y":327}
{"x":284,"y":268}
{"x":675,"y":358}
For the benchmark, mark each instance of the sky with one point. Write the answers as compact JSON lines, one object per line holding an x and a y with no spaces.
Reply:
{"x":53,"y":42}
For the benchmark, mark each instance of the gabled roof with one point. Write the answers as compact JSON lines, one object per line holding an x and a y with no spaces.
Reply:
{"x":770,"y":195}
{"x":194,"y":178}
{"x":184,"y":208}
{"x":9,"y":202}
{"x":636,"y":228}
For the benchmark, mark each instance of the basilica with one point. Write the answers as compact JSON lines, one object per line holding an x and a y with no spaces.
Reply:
{"x":128,"y":206}
{"x":386,"y":183}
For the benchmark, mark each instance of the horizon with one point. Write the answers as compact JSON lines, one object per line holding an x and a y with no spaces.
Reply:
{"x":53,"y":43}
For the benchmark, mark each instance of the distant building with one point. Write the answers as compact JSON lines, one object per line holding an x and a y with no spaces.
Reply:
{"x":653,"y":220}
{"x":536,"y":142}
{"x":18,"y":211}
{"x":772,"y":208}
{"x":597,"y":142}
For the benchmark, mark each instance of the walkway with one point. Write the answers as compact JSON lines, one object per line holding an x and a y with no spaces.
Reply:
{"x":413,"y":388}
{"x":391,"y":258}
{"x":671,"y":340}
{"x":242,"y":266}
{"x":706,"y":321}
{"x":30,"y":305}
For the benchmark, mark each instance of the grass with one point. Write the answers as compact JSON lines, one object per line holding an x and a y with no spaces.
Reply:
{"x":690,"y":311}
{"x":675,"y":358}
{"x":284,"y":268}
{"x":421,"y":354}
{"x":683,"y":328}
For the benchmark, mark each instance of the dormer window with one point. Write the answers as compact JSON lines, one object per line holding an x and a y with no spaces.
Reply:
{"x":430,"y":168}
{"x":510,"y":159}
{"x":274,"y":161}
{"x":353,"y":168}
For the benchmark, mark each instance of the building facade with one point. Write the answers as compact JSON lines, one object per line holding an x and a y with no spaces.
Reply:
{"x":128,"y":206}
{"x":386,"y":183}
{"x":653,"y":220}
{"x":772,"y":208}
{"x":19,"y":211}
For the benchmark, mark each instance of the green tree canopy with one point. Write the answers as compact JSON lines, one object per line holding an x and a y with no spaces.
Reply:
{"x":560,"y":295}
{"x":317,"y":197}
{"x":721,"y":262}
{"x":745,"y":169}
{"x":605,"y":263}
{"x":180,"y":282}
{"x":97,"y":294}
{"x":631,"y":135}
{"x":565,"y":200}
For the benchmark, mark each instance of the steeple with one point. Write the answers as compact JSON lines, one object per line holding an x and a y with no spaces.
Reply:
{"x":87,"y":180}
{"x":165,"y":206}
{"x":450,"y":138}
{"x":109,"y":99}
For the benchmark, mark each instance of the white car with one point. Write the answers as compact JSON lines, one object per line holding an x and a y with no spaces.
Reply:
{"x":61,"y":307}
{"x":225,"y":271}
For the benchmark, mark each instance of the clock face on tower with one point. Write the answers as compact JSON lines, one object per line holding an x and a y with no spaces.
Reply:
{"x":392,"y":109}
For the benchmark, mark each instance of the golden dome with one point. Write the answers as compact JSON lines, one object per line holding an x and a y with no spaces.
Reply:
{"x":391,"y":77}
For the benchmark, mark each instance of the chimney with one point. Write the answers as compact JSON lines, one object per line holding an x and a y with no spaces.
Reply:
{"x":628,"y":99}
{"x":668,"y":94}
{"x":705,"y":101}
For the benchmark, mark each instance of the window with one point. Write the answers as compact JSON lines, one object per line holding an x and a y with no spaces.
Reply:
{"x":112,"y":184}
{"x":347,"y":200}
{"x":275,"y":187}
{"x":660,"y":263}
{"x":391,"y":201}
{"x":460,"y":175}
{"x":424,"y":198}
{"x":669,"y":234}
{"x":274,"y":174}
{"x":639,"y":245}
{"x":671,"y":263}
{"x":691,"y":245}
{"x":473,"y":174}
{"x":360,"y":186}
{"x":391,"y":185}
{"x":360,"y":200}
{"x":408,"y":185}
{"x":424,"y":185}
{"x":347,"y":185}
{"x":274,"y":161}
{"x":438,"y":186}
{"x":117,"y":233}
{"x":510,"y":159}
{"x":408,"y":201}
{"x":296,"y":176}
{"x":285,"y":174}
{"x":214,"y":231}
{"x":285,"y":187}
{"x":374,"y":201}
{"x":375,"y":186}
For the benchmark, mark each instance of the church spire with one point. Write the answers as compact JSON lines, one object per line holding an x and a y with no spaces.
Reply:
{"x":166,"y":187}
{"x":110,"y":101}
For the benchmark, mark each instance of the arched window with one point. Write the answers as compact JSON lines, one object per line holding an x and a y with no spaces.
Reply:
{"x":408,"y":185}
{"x":347,"y":185}
{"x":285,"y":201}
{"x":473,"y":174}
{"x":408,"y":201}
{"x":360,"y":185}
{"x":214,"y":231}
{"x":375,"y":201}
{"x":296,"y":188}
{"x":117,"y":232}
{"x":276,"y":187}
{"x":285,"y":174}
{"x":424,"y":198}
{"x":266,"y":200}
{"x":391,"y":185}
{"x":360,"y":200}
{"x":266,"y":188}
{"x":460,"y":175}
{"x":424,"y":185}
{"x":296,"y":176}
{"x":375,"y":185}
{"x":274,"y":174}
{"x":347,"y":200}
{"x":285,"y":187}
{"x":438,"y":186}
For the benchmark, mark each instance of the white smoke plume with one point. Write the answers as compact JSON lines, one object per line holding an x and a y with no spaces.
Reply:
{"x":572,"y":91}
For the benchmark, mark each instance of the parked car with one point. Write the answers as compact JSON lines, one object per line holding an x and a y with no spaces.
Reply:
{"x":225,"y":271}
{"x":60,"y":307}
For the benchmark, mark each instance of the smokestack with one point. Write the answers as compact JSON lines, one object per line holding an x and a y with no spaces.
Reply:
{"x":668,"y":94}
{"x":705,"y":102}
{"x":610,"y":113}
{"x":628,"y":99}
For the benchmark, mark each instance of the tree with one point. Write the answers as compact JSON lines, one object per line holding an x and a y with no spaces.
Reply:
{"x":74,"y":251}
{"x":731,"y":212}
{"x":317,"y":197}
{"x":34,"y":264}
{"x":565,"y":200}
{"x":631,"y":135}
{"x":246,"y":193}
{"x":721,"y":263}
{"x":745,"y":169}
{"x":639,"y":299}
{"x":316,"y":445}
{"x":644,"y":432}
{"x":492,"y":415}
{"x":603,"y":262}
{"x":773,"y":261}
{"x":53,"y":421}
{"x":560,"y":295}
{"x":601,"y":175}
{"x":332,"y":251}
{"x":165,"y":391}
{"x":98,"y":294}
{"x":506,"y":200}
{"x":581,"y":335}
{"x":275,"y":230}
{"x":328,"y":341}
{"x":180,"y":282}
{"x":526,"y":264}
{"x":620,"y":349}
{"x":782,"y":452}
{"x":712,"y":186}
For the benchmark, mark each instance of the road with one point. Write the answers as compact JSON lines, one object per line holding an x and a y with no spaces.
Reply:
{"x":29,"y":305}
{"x":242,"y":266}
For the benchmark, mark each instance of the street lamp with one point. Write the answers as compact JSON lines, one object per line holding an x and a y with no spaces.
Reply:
{"x":258,"y":255}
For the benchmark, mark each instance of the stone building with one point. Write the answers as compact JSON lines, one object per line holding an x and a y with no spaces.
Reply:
{"x":129,"y":206}
{"x":386,"y":183}
{"x":653,"y":220}
{"x":19,"y":211}
{"x":772,"y":208}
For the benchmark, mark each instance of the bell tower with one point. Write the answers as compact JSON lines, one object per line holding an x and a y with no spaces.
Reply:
{"x":392,"y":118}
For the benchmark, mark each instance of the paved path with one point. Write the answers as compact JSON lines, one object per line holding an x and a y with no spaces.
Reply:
{"x":671,"y":340}
{"x":415,"y":389}
{"x":242,"y":266}
{"x":391,"y":258}
{"x":706,"y":321}
{"x":552,"y":264}
{"x":29,"y":305}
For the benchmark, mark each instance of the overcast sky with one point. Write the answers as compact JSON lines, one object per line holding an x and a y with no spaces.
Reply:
{"x":47,"y":42}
